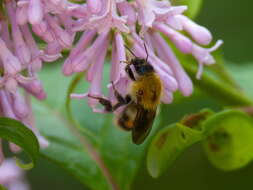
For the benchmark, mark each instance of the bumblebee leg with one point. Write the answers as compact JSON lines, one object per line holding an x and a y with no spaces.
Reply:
{"x":118,"y":96}
{"x":106,"y":103}
{"x":124,"y":62}
{"x":127,"y":99}
{"x":116,"y":106}
{"x":130,"y":72}
{"x":121,"y":100}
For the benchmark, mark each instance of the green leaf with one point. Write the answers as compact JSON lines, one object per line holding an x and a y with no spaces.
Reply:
{"x":16,"y":132}
{"x":229,"y":141}
{"x":171,"y":141}
{"x":194,"y":6}
{"x":243,"y":74}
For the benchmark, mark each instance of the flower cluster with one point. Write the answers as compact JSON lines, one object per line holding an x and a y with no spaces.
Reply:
{"x":106,"y":28}
{"x":21,"y":58}
{"x":133,"y":24}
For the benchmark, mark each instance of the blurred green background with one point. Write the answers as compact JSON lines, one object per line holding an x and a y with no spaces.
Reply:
{"x":228,"y":20}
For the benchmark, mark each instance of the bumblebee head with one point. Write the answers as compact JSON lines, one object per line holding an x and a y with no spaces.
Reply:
{"x":141,"y":66}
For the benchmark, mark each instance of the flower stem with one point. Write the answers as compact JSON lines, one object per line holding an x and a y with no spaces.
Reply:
{"x":218,"y":89}
{"x":69,"y":110}
{"x":1,"y":10}
{"x":221,"y":71}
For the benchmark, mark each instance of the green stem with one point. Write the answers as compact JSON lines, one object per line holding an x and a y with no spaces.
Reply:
{"x":70,"y":116}
{"x":78,"y":2}
{"x":219,"y":90}
{"x":224,"y":75}
{"x":1,"y":10}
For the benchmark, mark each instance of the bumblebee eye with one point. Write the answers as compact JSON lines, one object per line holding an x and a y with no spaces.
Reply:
{"x":142,"y":70}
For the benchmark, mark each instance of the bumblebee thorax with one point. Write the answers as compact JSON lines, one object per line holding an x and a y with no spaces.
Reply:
{"x":147,"y":90}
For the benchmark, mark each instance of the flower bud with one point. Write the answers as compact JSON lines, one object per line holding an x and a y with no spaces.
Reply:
{"x":199,"y":33}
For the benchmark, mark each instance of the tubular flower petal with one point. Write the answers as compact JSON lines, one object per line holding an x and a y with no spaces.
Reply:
{"x":35,"y":11}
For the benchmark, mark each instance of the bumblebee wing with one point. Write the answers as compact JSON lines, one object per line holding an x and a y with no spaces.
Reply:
{"x":142,"y":124}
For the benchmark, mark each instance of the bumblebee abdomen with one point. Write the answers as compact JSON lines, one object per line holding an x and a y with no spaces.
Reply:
{"x":127,"y":117}
{"x":125,"y":124}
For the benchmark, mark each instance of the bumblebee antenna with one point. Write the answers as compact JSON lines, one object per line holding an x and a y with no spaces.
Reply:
{"x":146,"y":51}
{"x":130,"y":51}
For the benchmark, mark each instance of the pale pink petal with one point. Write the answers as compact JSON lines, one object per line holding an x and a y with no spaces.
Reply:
{"x":19,"y":106}
{"x":95,"y":88}
{"x":121,"y":54}
{"x":126,"y":9}
{"x":21,"y":15}
{"x":203,"y":55}
{"x":80,"y":46}
{"x":167,"y":97}
{"x":14,"y":148}
{"x":35,"y":11}
{"x":10,"y":62}
{"x":82,"y":61}
{"x":9,"y":171}
{"x":199,"y":33}
{"x":166,"y":53}
{"x":94,"y":6}
{"x":182,"y":43}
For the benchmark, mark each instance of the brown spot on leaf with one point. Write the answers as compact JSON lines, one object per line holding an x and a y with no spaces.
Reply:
{"x":193,"y":120}
{"x":213,"y":147}
{"x":183,"y":135}
{"x":161,"y":141}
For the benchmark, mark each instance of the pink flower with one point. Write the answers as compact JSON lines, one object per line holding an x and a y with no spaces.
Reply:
{"x":203,"y":56}
{"x":10,"y":63}
{"x":20,"y":60}
{"x":35,"y":11}
{"x":94,"y":6}
{"x":107,"y":27}
{"x":149,"y":10}
{"x":20,"y":46}
{"x":12,"y":177}
{"x":154,"y":17}
{"x":199,"y":33}
{"x":105,"y":19}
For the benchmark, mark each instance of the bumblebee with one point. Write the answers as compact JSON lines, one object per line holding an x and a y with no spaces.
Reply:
{"x":141,"y":102}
